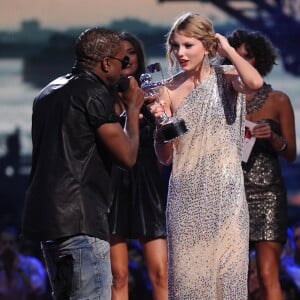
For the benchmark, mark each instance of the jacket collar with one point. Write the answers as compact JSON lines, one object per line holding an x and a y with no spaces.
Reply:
{"x":79,"y":69}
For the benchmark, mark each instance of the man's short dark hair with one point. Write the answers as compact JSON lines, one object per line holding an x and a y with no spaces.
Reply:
{"x":94,"y":44}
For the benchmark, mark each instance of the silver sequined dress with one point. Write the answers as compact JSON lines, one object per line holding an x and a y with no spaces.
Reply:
{"x":207,"y":216}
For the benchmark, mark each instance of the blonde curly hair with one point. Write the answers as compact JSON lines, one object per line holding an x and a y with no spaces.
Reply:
{"x":192,"y":25}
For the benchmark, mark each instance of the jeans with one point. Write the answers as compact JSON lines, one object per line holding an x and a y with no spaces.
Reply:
{"x":78,"y":268}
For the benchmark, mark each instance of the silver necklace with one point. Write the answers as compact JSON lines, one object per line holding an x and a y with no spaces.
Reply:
{"x":259,"y":98}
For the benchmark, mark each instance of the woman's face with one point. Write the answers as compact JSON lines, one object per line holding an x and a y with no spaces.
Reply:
{"x":132,"y":67}
{"x":242,"y":51}
{"x":188,"y":51}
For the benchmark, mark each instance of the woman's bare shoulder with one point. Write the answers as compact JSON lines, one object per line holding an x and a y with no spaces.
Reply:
{"x":279,"y":96}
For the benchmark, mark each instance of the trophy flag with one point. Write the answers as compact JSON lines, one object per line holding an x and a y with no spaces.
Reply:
{"x":154,"y":67}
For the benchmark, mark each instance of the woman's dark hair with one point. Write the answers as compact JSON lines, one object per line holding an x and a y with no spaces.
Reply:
{"x":138,"y":47}
{"x":257,"y":46}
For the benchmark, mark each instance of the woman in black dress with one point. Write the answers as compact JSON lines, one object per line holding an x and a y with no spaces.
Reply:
{"x":138,"y":209}
{"x":275,"y":136}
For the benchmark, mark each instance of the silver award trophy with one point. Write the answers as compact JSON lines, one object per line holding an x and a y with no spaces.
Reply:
{"x":170,"y":127}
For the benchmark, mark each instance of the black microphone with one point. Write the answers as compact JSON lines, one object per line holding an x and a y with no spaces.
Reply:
{"x":123,"y":84}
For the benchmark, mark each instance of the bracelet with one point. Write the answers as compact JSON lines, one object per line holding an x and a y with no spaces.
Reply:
{"x":158,"y":137}
{"x":284,"y":145}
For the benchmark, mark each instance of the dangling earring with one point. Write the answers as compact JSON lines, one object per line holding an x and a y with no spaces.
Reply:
{"x":205,"y":63}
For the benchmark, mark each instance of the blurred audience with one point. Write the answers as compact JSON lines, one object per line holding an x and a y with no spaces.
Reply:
{"x":253,"y":288}
{"x":22,"y":277}
{"x":289,"y":289}
{"x":290,"y":261}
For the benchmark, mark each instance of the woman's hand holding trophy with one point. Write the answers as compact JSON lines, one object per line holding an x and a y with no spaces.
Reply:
{"x":168,"y":128}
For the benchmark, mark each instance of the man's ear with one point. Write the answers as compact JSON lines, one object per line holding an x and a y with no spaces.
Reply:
{"x":104,"y":65}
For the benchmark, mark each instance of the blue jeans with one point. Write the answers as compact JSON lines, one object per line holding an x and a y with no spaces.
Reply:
{"x":78,"y":268}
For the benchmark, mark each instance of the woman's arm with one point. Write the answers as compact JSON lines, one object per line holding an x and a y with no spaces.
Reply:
{"x":285,"y":144}
{"x":250,"y":77}
{"x":287,"y":125}
{"x":164,"y":151}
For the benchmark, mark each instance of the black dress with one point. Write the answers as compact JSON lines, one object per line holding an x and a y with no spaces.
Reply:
{"x":265,"y":192}
{"x":139,"y":202}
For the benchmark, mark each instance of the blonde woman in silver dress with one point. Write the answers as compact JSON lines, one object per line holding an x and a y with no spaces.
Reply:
{"x":207,"y":215}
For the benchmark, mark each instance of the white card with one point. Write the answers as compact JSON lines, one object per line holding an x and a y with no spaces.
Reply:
{"x":249,"y":140}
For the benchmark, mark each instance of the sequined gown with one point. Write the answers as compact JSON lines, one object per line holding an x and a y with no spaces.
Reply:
{"x":207,"y":215}
{"x":265,"y":191}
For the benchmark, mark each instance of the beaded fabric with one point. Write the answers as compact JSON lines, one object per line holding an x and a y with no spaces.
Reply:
{"x":259,"y":99}
{"x":265,"y":191}
{"x":207,"y":212}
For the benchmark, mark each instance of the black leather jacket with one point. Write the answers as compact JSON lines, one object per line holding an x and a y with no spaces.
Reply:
{"x":69,"y":191}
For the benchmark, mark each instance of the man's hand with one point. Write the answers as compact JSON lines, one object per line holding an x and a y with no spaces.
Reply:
{"x":133,"y":97}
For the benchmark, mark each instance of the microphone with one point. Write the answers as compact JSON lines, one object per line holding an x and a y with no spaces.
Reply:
{"x":123,"y":84}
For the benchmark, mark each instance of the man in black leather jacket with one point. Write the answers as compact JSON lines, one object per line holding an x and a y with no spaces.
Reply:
{"x":76,"y":135}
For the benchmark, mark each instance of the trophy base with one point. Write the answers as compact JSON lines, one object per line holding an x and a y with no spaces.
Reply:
{"x":172,"y":129}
